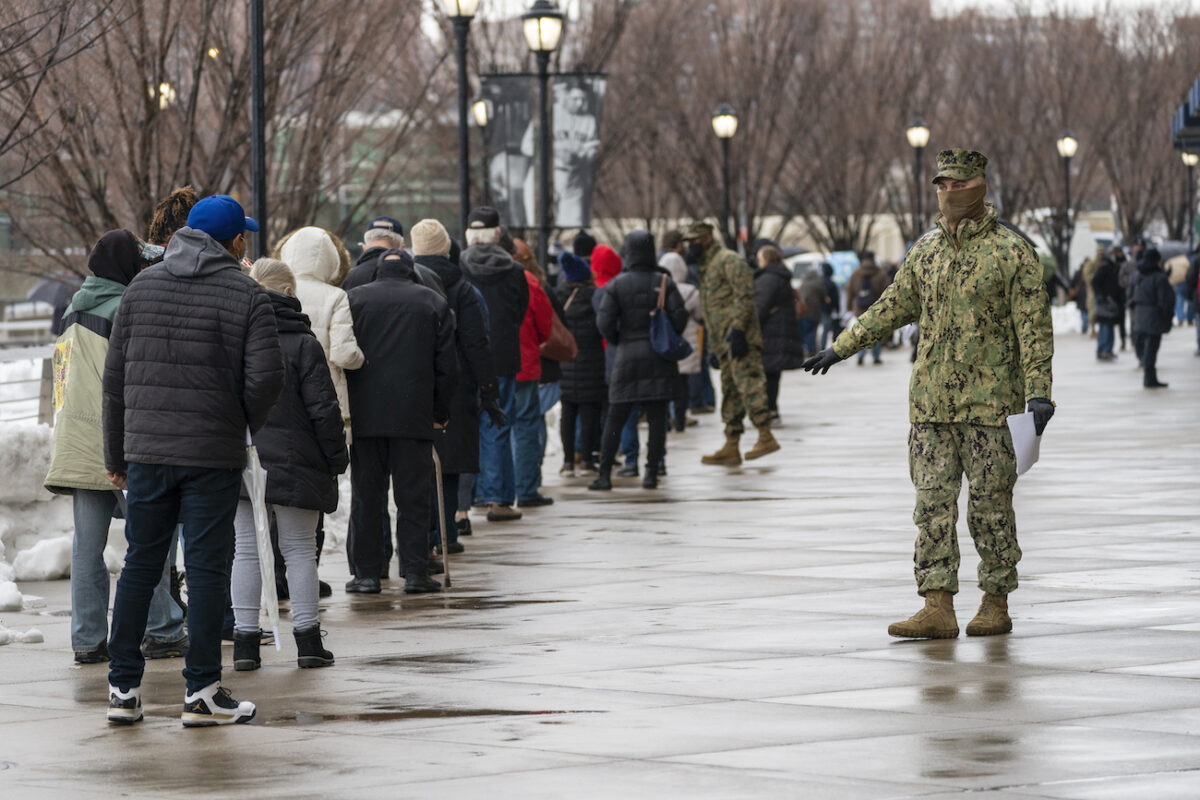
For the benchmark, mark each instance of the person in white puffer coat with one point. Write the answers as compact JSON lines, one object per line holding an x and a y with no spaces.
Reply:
{"x":314,"y":260}
{"x":673,"y":263}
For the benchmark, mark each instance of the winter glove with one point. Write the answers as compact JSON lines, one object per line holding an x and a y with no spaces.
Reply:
{"x":821,"y":362}
{"x":1042,"y":410}
{"x":739,"y":348}
{"x":488,"y":392}
{"x":495,"y":415}
{"x":713,"y":361}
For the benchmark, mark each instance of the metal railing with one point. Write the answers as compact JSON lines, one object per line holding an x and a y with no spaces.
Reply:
{"x":28,"y":398}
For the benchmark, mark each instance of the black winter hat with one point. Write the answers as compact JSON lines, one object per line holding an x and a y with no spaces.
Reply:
{"x":583,"y":244}
{"x":484,"y":217}
{"x":1152,"y":259}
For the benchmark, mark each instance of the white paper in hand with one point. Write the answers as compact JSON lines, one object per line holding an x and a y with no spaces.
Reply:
{"x":1026,"y":442}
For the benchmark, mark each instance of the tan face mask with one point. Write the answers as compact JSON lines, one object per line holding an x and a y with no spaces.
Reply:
{"x":959,"y":204}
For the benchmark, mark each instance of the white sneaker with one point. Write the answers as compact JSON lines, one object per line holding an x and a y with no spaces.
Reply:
{"x":213,"y":705}
{"x":124,"y":707}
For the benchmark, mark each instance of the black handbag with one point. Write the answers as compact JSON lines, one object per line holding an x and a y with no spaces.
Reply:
{"x":668,"y":344}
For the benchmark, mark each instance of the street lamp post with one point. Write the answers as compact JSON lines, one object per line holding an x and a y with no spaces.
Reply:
{"x":258,"y":129}
{"x":543,"y":25}
{"x":1190,"y":160}
{"x":725,"y":125}
{"x":1067,"y":144}
{"x":461,"y":12}
{"x":918,"y":136}
{"x":481,"y":110}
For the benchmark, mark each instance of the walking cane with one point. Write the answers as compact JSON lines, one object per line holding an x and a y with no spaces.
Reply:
{"x":441,"y":502}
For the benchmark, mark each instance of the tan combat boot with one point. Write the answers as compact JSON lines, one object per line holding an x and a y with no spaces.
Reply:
{"x":935,"y":621}
{"x":727,"y":456}
{"x":992,"y":618}
{"x":765,"y":445}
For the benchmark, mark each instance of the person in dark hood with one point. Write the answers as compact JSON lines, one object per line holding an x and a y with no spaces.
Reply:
{"x":77,"y":455}
{"x":490,"y":268}
{"x":193,"y":363}
{"x":1153,"y":303}
{"x":458,"y":442}
{"x":1109,"y":303}
{"x":302,"y":446}
{"x":639,"y":374}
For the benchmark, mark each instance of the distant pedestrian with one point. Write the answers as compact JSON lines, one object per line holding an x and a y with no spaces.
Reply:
{"x":673,"y":262}
{"x":398,"y":399}
{"x":639,"y":374}
{"x":1153,"y":304}
{"x":584,"y":388}
{"x":528,"y":422}
{"x":196,"y":320}
{"x":77,"y":457}
{"x":866,"y":285}
{"x":775,"y":302}
{"x":1109,"y":305}
{"x":303,"y":449}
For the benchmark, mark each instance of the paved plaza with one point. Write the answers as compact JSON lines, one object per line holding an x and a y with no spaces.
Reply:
{"x":723,"y":637}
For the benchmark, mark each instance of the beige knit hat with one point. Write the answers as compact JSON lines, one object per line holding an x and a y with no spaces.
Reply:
{"x":429,"y":238}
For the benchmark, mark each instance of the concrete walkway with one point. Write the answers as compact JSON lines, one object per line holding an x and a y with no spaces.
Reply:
{"x":722,"y":637}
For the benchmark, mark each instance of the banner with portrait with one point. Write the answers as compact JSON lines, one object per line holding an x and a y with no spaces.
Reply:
{"x":509,"y":160}
{"x":578,"y":101}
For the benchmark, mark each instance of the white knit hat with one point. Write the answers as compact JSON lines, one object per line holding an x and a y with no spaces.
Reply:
{"x":429,"y":238}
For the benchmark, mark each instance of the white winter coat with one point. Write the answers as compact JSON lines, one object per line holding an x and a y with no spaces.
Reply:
{"x":314,"y":260}
{"x":674,"y":264}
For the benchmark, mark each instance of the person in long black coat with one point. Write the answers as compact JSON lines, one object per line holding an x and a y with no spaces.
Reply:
{"x":458,"y":443}
{"x":303,"y":449}
{"x":1110,"y":306}
{"x":639,"y":375}
{"x":584,"y":389}
{"x":1153,"y":302}
{"x":783,"y":349}
{"x":397,"y":400}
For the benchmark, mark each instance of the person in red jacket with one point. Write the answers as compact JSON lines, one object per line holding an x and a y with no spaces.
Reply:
{"x":527,"y":404}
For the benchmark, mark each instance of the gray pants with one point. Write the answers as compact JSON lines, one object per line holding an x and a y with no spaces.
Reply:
{"x":298,"y":544}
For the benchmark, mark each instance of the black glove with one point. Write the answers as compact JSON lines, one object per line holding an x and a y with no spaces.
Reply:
{"x":495,"y":415}
{"x":488,"y":392}
{"x":821,"y":362}
{"x":713,"y":361}
{"x":1042,"y":410}
{"x":739,"y":348}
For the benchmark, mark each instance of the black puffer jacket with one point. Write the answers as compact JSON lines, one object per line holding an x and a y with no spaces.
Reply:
{"x":303,"y":444}
{"x":506,"y":293}
{"x":1153,"y":299}
{"x":776,"y":306}
{"x":366,"y":269}
{"x":1110,"y":297}
{"x":638,"y":373}
{"x":193,"y":360}
{"x":406,"y":332}
{"x":458,"y":446}
{"x":583,"y":376}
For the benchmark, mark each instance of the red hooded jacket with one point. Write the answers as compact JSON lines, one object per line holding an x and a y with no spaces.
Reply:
{"x":535,"y":329}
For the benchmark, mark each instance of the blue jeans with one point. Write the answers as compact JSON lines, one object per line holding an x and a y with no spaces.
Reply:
{"x":629,"y":437}
{"x":495,"y":483}
{"x":1185,"y":311}
{"x":875,"y":352}
{"x":549,"y":394}
{"x":527,"y":443}
{"x":204,"y":501}
{"x":808,"y":335}
{"x":1104,"y":338}
{"x":90,"y":581}
{"x":1083,"y":320}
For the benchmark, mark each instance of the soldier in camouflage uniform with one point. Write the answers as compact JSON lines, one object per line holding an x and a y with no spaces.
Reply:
{"x":975,"y":286}
{"x":733,"y":335}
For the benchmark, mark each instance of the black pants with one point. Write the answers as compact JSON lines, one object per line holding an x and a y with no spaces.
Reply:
{"x":681,"y":402}
{"x":618,"y":414}
{"x":773,"y":391}
{"x":1146,"y":345}
{"x":588,"y":416}
{"x":410,"y":463}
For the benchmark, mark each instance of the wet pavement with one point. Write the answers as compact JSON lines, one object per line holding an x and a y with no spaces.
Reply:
{"x":722,"y":637}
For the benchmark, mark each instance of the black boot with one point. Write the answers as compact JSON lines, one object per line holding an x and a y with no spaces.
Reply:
{"x":245,"y":651}
{"x":603,"y":482}
{"x":650,"y":481}
{"x":310,"y":652}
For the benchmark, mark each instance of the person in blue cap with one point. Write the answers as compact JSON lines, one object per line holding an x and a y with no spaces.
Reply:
{"x":193,"y":363}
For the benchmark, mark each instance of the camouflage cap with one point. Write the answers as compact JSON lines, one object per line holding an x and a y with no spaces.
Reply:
{"x":958,"y":164}
{"x":696,"y":230}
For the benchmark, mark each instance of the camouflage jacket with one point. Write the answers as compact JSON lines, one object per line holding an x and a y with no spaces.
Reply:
{"x":727,"y":298}
{"x":986,"y":339}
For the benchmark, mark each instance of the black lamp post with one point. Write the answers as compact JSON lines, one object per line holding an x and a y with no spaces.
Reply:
{"x":1190,"y":160}
{"x":725,"y":125}
{"x":258,"y":130}
{"x":481,"y":110}
{"x":1067,"y":145}
{"x":917,"y":134}
{"x":543,"y":25}
{"x":461,"y":12}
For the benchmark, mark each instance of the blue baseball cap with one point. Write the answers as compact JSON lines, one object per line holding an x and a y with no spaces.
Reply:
{"x":221,"y":217}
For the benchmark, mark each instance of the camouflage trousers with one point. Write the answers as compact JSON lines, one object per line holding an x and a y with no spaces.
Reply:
{"x":743,"y":390}
{"x":939,"y":454}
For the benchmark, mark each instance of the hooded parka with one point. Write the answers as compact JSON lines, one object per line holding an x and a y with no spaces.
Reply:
{"x":505,"y":291}
{"x":776,"y":306}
